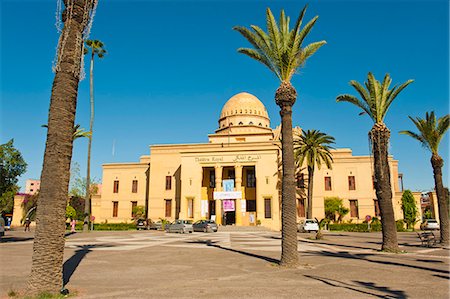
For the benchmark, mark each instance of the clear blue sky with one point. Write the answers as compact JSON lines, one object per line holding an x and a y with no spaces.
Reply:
{"x":172,"y":65}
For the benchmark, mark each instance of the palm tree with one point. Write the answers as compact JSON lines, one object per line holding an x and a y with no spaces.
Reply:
{"x":280,"y":49}
{"x":313,"y":147}
{"x":375,"y":101}
{"x":430,"y":135}
{"x":77,"y":132}
{"x":95,"y":47}
{"x":48,"y":246}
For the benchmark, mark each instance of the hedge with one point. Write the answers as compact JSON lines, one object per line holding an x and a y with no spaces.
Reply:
{"x":354,"y":227}
{"x":362,"y":227}
{"x":107,"y":226}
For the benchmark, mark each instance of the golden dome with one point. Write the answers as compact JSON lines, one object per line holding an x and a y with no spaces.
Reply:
{"x":244,"y":112}
{"x":244,"y":103}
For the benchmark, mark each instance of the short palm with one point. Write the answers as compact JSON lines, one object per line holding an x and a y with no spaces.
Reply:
{"x":313,"y":148}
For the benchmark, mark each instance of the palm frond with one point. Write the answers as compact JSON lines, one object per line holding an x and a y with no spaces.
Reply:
{"x":281,"y":47}
{"x":355,"y":101}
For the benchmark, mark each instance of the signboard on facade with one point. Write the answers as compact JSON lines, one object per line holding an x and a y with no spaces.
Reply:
{"x":227,"y":194}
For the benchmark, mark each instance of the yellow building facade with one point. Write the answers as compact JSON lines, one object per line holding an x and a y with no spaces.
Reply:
{"x":234,"y":178}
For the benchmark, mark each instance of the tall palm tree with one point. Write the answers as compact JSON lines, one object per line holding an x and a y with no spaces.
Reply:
{"x":313,"y":147}
{"x":430,"y":135}
{"x":280,"y":49}
{"x":48,"y":245}
{"x":96,"y":48}
{"x":376,"y":98}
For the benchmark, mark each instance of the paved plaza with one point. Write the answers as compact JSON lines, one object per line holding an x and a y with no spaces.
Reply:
{"x":234,"y":264}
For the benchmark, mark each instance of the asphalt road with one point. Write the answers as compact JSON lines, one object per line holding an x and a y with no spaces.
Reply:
{"x":234,"y":264}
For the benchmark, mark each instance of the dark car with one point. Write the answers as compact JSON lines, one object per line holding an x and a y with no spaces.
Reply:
{"x":205,"y":226}
{"x":141,"y":224}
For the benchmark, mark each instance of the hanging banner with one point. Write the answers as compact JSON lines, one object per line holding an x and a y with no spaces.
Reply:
{"x":227,"y":195}
{"x":228,"y":205}
{"x":203,"y":208}
{"x":228,"y":185}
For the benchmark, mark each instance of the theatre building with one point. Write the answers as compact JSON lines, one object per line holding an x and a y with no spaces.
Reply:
{"x":234,"y":178}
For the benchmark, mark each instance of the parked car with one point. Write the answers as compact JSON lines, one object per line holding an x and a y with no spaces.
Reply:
{"x":429,"y":224}
{"x":205,"y":226}
{"x":181,"y":226}
{"x":308,"y":225}
{"x":141,"y":224}
{"x":155,"y":225}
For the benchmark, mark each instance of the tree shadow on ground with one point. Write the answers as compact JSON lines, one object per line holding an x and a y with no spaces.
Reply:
{"x":368,"y":286}
{"x":364,"y":257}
{"x":11,"y":239}
{"x":338,"y":245}
{"x":262,"y":257}
{"x":71,"y":264}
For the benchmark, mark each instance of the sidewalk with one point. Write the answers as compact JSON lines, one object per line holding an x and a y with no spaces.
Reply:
{"x":148,"y":264}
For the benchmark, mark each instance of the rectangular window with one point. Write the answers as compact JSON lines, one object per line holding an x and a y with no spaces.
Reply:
{"x":212,"y":179}
{"x":168,"y":208}
{"x":134,"y":186}
{"x":376,"y":206}
{"x":133,"y":206}
{"x":231,"y":174}
{"x":251,"y":205}
{"x":116,"y":187}
{"x":190,"y":211}
{"x":354,"y":208}
{"x":300,"y":181}
{"x":251,"y":178}
{"x":267,"y":208}
{"x":327,"y":183}
{"x":115,"y":208}
{"x":351,"y":183}
{"x":168,"y":182}
{"x":301,"y":207}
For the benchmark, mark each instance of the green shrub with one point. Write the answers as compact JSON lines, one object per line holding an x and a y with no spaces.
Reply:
{"x":400,"y":225}
{"x":354,"y":227}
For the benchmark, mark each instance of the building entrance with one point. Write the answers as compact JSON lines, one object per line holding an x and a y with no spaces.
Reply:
{"x":229,"y":211}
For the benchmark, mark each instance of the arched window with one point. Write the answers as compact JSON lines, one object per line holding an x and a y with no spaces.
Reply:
{"x":230,"y":124}
{"x":260,"y":124}
{"x":250,"y":123}
{"x":241,"y":123}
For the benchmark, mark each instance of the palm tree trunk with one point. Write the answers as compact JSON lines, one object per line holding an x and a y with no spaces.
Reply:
{"x":285,"y":98}
{"x":437,"y":162}
{"x":310,"y":192}
{"x":380,"y":137}
{"x":87,"y":200}
{"x":48,"y":246}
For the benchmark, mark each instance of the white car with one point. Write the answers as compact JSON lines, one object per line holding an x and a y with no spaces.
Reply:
{"x":308,"y":225}
{"x":429,"y":224}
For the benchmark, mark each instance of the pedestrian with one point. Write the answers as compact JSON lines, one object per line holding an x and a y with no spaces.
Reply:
{"x":2,"y":225}
{"x":27,"y":224}
{"x":72,"y":224}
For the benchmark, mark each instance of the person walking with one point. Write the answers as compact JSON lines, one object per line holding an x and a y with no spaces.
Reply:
{"x":27,"y":224}
{"x":72,"y":224}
